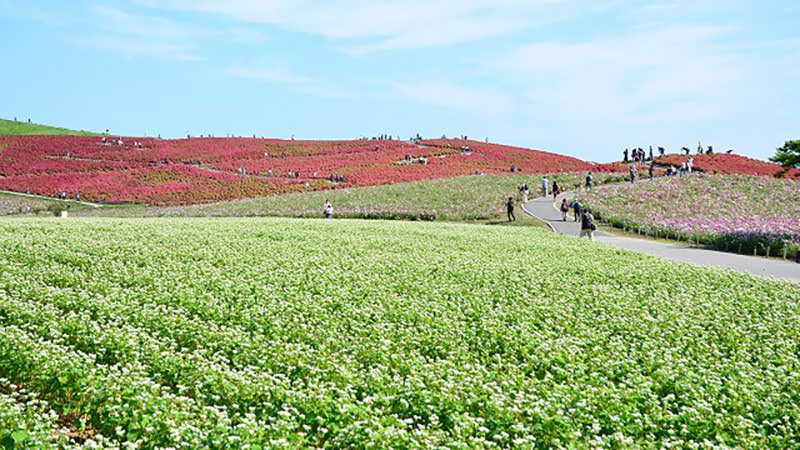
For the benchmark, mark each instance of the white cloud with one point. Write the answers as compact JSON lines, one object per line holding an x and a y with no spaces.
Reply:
{"x":130,"y":48}
{"x":121,"y":22}
{"x":638,"y":75}
{"x":394,"y":24}
{"x":47,"y":17}
{"x":281,"y":74}
{"x":482,"y":102}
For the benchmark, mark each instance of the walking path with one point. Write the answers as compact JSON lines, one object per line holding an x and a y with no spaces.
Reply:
{"x":545,"y":209}
{"x":20,"y":194}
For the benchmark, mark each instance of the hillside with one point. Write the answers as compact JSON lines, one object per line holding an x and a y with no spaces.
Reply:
{"x":203,"y":170}
{"x":729,"y":164}
{"x":11,"y":127}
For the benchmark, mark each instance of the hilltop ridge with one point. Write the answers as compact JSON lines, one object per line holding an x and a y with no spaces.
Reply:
{"x":15,"y":127}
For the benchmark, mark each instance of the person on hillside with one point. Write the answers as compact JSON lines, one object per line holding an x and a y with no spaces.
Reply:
{"x":650,"y":171}
{"x":689,"y":164}
{"x":661,"y":151}
{"x":564,"y":209}
{"x":589,"y":181}
{"x":587,"y":225}
{"x":556,"y":189}
{"x":651,"y":153}
{"x":625,"y":156}
{"x":328,"y":209}
{"x":524,"y":191}
{"x":510,"y":209}
{"x":633,"y":173}
{"x":576,"y":208}
{"x":544,"y":186}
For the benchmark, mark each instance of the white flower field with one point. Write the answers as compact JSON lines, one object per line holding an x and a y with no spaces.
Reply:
{"x":270,"y":333}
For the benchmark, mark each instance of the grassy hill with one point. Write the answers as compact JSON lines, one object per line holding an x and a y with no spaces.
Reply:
{"x":204,"y":170}
{"x":15,"y":127}
{"x":459,"y":199}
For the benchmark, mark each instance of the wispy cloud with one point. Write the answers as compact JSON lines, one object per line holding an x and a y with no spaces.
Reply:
{"x":121,"y":22}
{"x":131,"y":48}
{"x":391,"y":24}
{"x":282,"y":74}
{"x":634,"y":75}
{"x":28,"y":12}
{"x":135,"y":35}
{"x":472,"y":100}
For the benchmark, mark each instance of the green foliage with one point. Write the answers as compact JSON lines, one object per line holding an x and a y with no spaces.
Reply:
{"x":789,"y":155}
{"x":267,"y":333}
{"x":471,"y":198}
{"x":14,"y":127}
{"x":20,"y":204}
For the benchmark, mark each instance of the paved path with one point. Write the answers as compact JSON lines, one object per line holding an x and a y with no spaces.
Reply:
{"x":545,"y":209}
{"x":20,"y":194}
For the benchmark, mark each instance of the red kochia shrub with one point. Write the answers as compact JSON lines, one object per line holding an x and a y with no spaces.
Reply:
{"x":729,"y":164}
{"x":186,"y":171}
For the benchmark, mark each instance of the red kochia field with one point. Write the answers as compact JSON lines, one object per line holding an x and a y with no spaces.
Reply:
{"x":729,"y":164}
{"x":187,"y":171}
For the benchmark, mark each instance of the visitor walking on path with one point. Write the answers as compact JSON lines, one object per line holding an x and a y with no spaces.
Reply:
{"x":587,"y":225}
{"x":328,"y":209}
{"x":556,"y":190}
{"x":589,"y":181}
{"x":576,"y":208}
{"x":544,"y":186}
{"x":633,"y":173}
{"x":510,"y":209}
{"x":564,"y":209}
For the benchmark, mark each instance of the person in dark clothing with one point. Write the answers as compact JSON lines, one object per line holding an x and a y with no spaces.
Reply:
{"x":576,"y":208}
{"x":587,"y":225}
{"x":510,"y":209}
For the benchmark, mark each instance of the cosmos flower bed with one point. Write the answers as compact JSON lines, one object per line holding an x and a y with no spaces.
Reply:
{"x":261,"y":333}
{"x":202,"y":170}
{"x":733,"y":212}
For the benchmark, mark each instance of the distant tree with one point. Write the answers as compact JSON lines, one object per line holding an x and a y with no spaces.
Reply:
{"x":789,"y":155}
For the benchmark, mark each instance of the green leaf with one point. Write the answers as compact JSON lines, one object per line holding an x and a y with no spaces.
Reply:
{"x":19,"y":436}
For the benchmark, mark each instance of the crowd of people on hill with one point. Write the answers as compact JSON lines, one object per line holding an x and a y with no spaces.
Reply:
{"x":638,"y":155}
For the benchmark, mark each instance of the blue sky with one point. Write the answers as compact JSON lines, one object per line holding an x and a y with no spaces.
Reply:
{"x":579,"y":77}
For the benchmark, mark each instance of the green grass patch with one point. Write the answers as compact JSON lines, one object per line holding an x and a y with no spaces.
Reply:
{"x":8,"y":127}
{"x":473,"y":199}
{"x":23,"y":205}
